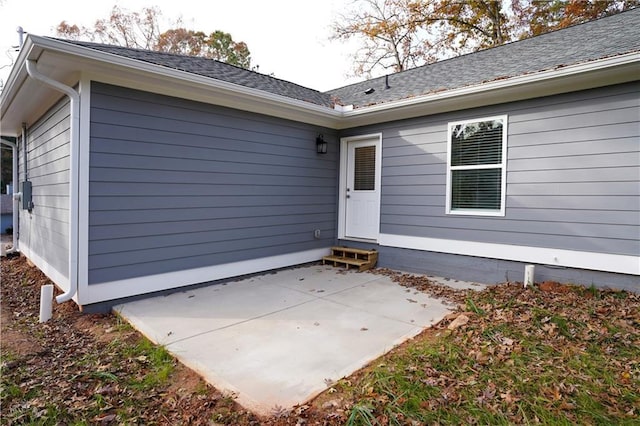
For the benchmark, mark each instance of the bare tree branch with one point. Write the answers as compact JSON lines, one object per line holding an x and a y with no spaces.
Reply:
{"x":399,"y":34}
{"x":142,"y":30}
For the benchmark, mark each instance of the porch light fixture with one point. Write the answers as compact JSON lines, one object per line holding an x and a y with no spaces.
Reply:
{"x":321,"y":145}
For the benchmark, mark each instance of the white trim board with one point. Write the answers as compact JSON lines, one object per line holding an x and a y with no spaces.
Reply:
{"x":616,"y":263}
{"x":52,"y":273}
{"x":83,"y":186}
{"x":173,"y":280}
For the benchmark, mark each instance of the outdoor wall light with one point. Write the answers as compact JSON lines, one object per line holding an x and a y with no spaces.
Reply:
{"x":321,"y":145}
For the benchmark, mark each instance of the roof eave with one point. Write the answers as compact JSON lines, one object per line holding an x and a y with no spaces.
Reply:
{"x":111,"y":68}
{"x":17,"y":76}
{"x":108,"y":67}
{"x":598,"y":73}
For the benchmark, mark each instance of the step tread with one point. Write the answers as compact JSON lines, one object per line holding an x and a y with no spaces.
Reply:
{"x":352,"y":250}
{"x":349,"y":260}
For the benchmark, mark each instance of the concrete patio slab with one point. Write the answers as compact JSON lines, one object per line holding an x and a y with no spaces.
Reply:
{"x":380,"y":298}
{"x":279,"y":339}
{"x":190,"y":313}
{"x":315,"y":280}
{"x":285,"y":358}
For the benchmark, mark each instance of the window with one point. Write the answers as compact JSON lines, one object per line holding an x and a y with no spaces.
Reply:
{"x":476,"y":159}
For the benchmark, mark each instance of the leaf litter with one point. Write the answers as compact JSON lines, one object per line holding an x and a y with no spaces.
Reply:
{"x":550,"y":353}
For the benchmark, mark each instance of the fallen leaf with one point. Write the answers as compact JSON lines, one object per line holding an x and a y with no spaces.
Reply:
{"x":108,"y":418}
{"x":507,"y":341}
{"x":458,"y":322}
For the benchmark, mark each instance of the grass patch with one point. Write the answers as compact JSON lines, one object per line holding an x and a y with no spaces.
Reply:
{"x":96,"y":376}
{"x":160,"y":364}
{"x":524,"y":358}
{"x":362,"y":414}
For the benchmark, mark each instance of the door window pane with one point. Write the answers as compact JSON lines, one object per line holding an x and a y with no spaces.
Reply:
{"x":364,"y":176}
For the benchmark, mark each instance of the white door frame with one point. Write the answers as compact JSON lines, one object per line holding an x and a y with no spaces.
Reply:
{"x":342,"y":189}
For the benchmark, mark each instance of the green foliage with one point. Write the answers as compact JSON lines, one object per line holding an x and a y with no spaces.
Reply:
{"x":362,"y":414}
{"x":104,"y":376}
{"x":471,"y":306}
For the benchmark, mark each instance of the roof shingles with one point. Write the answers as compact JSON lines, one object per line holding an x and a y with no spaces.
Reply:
{"x":218,"y":70}
{"x":606,"y":37}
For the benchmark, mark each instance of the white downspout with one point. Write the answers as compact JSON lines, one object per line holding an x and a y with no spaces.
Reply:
{"x":74,"y":151}
{"x":15,"y":196}
{"x":25,"y":160}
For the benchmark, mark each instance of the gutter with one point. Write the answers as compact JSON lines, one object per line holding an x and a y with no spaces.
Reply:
{"x":74,"y":168}
{"x":16,"y":195}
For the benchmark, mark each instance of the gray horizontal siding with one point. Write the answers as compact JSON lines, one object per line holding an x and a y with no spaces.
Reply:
{"x":46,"y":229}
{"x":176,"y":185}
{"x":573,"y":173}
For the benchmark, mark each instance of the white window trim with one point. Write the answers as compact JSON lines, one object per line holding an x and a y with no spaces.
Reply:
{"x":502,"y":165}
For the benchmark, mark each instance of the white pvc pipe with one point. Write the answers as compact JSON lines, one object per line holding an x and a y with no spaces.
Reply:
{"x":74,"y":150}
{"x":529,"y":271}
{"x":46,"y":299}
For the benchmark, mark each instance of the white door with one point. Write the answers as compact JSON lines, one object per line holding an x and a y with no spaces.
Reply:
{"x":362,"y":192}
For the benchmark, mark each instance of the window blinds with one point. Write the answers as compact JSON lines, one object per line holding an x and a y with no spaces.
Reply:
{"x":364,"y":176}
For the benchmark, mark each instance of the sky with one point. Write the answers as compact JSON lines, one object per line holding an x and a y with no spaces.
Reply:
{"x":287,"y":38}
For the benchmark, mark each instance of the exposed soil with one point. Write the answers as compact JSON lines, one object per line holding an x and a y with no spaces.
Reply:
{"x":90,"y":368}
{"x":20,"y":343}
{"x":63,"y":358}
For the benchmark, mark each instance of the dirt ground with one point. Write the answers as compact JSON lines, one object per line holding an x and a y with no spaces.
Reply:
{"x":95,"y":369}
{"x":42,"y":356}
{"x":61,"y":347}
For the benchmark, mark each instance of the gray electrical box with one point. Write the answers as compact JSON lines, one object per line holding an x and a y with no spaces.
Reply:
{"x":27,"y":200}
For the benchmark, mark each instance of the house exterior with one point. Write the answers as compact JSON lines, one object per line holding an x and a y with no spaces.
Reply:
{"x":148,"y":172}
